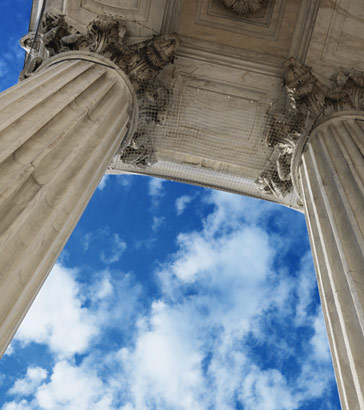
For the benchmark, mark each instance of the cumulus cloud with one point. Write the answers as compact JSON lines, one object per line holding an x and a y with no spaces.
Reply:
{"x":218,"y":288}
{"x":158,"y":221}
{"x":116,"y":248}
{"x":181,"y":203}
{"x":319,"y":340}
{"x":73,"y":387}
{"x":33,"y":379}
{"x":266,"y":389}
{"x":156,"y":191}
{"x":194,"y":347}
{"x":70,"y":387}
{"x":57,"y":317}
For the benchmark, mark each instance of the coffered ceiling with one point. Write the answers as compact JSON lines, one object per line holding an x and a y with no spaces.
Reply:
{"x":227,"y":73}
{"x":265,"y":32}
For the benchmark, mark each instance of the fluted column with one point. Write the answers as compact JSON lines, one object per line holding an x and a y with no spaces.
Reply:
{"x":59,"y":130}
{"x":331,"y":176}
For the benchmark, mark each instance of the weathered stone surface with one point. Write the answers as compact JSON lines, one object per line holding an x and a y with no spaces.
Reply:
{"x":53,"y":153}
{"x":331,"y":178}
{"x":141,"y":61}
{"x":107,"y":36}
{"x":309,"y":101}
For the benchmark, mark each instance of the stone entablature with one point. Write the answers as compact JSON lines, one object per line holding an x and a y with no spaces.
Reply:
{"x":310,"y":101}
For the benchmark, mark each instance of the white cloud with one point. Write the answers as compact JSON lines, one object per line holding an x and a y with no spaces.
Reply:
{"x":306,"y":286}
{"x":115,"y":301}
{"x":319,"y":340}
{"x":158,"y":221}
{"x":191,"y":349}
{"x":156,"y":190}
{"x":181,"y":203}
{"x":266,"y":390}
{"x":57,"y":317}
{"x":70,"y":387}
{"x":74,"y":388}
{"x":103,"y":182}
{"x":164,"y":369}
{"x":33,"y":379}
{"x":22,"y":405}
{"x":125,"y":180}
{"x":87,"y":241}
{"x":115,"y":250}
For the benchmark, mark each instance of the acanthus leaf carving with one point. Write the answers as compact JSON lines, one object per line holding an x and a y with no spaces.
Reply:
{"x":308,"y":101}
{"x":107,"y":36}
{"x":284,"y":130}
{"x":142,"y":62}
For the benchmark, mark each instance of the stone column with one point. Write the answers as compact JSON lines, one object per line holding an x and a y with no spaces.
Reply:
{"x":59,"y":131}
{"x":319,"y":143}
{"x":331,"y":176}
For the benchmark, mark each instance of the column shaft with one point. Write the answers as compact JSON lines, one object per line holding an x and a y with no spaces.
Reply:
{"x":332,"y":185}
{"x":58,"y":133}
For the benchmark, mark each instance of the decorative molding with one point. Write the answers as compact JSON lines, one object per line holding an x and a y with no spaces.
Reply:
{"x":106,"y":36}
{"x":243,"y":7}
{"x":230,"y":57}
{"x":344,"y":36}
{"x":265,"y":23}
{"x":284,"y":130}
{"x":309,"y":103}
{"x":171,"y":17}
{"x":143,"y":18}
{"x":153,"y":100}
{"x":142,"y":62}
{"x":304,"y":26}
{"x":310,"y":96}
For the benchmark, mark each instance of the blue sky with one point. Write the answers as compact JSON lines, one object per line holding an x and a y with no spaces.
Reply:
{"x":169,"y":296}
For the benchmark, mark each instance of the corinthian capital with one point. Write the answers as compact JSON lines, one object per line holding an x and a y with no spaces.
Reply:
{"x":142,"y":62}
{"x":309,"y":100}
{"x":108,"y":37}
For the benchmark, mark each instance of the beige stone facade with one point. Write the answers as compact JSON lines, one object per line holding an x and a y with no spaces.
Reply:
{"x":260,"y":98}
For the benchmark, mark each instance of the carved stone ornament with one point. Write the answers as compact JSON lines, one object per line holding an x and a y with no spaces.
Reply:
{"x":309,"y":100}
{"x":142,"y":62}
{"x":284,"y":130}
{"x":243,"y":7}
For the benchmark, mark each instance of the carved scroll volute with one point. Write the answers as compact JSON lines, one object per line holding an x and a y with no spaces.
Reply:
{"x":306,"y":92}
{"x":309,"y":100}
{"x":142,"y":62}
{"x":107,"y":36}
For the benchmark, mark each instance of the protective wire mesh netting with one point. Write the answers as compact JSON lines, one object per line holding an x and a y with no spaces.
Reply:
{"x":211,"y":135}
{"x":203,"y":135}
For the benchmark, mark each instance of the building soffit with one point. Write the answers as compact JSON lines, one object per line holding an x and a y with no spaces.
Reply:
{"x":252,"y":47}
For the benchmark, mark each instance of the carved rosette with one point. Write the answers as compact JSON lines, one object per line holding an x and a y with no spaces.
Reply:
{"x":309,"y":100}
{"x":243,"y":7}
{"x":142,"y":62}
